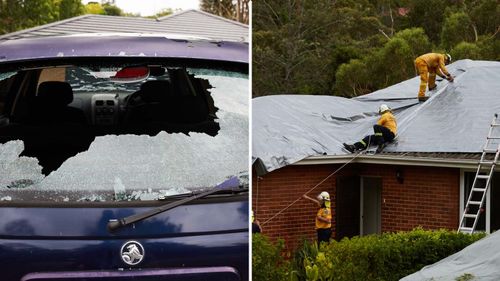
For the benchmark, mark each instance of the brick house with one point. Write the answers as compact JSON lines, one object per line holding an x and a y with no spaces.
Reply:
{"x":421,"y":180}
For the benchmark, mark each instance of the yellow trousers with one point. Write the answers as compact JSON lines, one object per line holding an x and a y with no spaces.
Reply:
{"x":427,"y":76}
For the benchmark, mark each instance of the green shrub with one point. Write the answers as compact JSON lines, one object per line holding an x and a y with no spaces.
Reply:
{"x":301,"y":262}
{"x":268,"y":263}
{"x":464,"y":50}
{"x":389,"y":256}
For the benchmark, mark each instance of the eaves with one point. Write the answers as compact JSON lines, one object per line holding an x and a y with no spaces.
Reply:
{"x":397,"y":159}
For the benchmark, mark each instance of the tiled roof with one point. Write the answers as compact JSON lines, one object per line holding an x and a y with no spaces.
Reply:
{"x":189,"y":22}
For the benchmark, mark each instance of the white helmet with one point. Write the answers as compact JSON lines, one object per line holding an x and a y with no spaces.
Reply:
{"x":383,"y":108}
{"x":448,"y":58}
{"x":324,"y":196}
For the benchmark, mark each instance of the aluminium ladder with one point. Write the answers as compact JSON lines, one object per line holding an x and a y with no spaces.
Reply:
{"x":482,"y":181}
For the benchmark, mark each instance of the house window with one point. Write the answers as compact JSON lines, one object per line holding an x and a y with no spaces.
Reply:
{"x":490,"y":218}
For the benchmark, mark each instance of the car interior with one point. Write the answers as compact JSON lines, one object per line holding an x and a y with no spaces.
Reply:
{"x":58,"y":114}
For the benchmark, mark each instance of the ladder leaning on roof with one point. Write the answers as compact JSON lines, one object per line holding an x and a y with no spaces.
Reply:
{"x":482,"y":181}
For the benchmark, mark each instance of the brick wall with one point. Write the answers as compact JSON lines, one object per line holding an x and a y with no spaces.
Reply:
{"x":428,"y":197}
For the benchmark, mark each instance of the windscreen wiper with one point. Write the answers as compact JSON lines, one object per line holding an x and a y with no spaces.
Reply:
{"x":227,"y":185}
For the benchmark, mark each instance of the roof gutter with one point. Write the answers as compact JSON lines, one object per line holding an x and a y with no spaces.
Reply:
{"x":392,"y":160}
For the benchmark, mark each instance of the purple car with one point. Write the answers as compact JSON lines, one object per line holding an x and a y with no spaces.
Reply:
{"x":123,"y":157}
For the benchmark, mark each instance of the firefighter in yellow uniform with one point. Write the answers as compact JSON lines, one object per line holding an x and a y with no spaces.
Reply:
{"x":323,"y":217}
{"x":428,"y":66}
{"x":385,"y":131}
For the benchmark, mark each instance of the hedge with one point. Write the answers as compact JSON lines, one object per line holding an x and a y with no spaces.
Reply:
{"x":389,"y":256}
{"x":268,"y":263}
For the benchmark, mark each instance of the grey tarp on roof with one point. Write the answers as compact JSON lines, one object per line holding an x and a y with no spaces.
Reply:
{"x":289,"y":128}
{"x":480,"y":259}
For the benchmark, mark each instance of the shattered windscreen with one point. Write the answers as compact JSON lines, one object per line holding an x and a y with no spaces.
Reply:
{"x":173,"y":131}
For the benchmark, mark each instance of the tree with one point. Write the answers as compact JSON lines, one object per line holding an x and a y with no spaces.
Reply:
{"x":417,"y":40}
{"x":223,"y":8}
{"x":242,"y":11}
{"x":457,"y":28}
{"x":466,"y":50}
{"x":429,"y":15}
{"x":232,"y":9}
{"x":394,"y":64}
{"x":70,"y":8}
{"x":354,"y":47}
{"x":10,"y":11}
{"x":94,"y":8}
{"x":353,"y":79}
{"x":485,"y":16}
{"x":20,"y":14}
{"x":291,"y":46}
{"x":112,"y":10}
{"x":106,"y":9}
{"x":162,"y":13}
{"x":385,"y":66}
{"x":490,"y":47}
{"x":39,"y":12}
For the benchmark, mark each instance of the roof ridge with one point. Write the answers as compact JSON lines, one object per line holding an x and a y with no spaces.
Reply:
{"x":203,"y":13}
{"x":55,"y":23}
{"x":174,"y":14}
{"x":123,"y":17}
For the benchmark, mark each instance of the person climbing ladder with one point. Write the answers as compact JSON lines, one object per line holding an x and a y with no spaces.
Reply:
{"x":385,"y":131}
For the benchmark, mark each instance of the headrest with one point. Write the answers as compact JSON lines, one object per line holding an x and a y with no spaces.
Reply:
{"x":155,"y":90}
{"x":55,"y":93}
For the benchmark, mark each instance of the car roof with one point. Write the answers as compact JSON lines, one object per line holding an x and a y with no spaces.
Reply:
{"x":122,"y":45}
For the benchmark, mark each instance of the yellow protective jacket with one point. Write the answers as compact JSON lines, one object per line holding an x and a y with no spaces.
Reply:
{"x":434,"y":61}
{"x":389,"y":121}
{"x":326,"y":213}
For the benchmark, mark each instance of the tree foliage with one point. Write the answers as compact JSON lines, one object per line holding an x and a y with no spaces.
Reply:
{"x":466,"y":50}
{"x":112,"y":10}
{"x":267,"y":260}
{"x":485,"y":16}
{"x":106,"y":9}
{"x":457,"y":28}
{"x":162,"y":13}
{"x":428,"y":14}
{"x":351,"y":48}
{"x":94,"y":8}
{"x":237,"y":10}
{"x":20,"y":14}
{"x":70,"y":8}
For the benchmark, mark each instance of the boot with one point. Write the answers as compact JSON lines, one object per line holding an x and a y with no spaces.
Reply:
{"x":433,"y":88}
{"x":423,"y":99}
{"x":359,"y":146}
{"x":351,"y":148}
{"x":380,"y":148}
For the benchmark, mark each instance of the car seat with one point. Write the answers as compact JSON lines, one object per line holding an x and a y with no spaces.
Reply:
{"x":55,"y":131}
{"x":51,"y":104}
{"x":190,"y":106}
{"x":149,"y":103}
